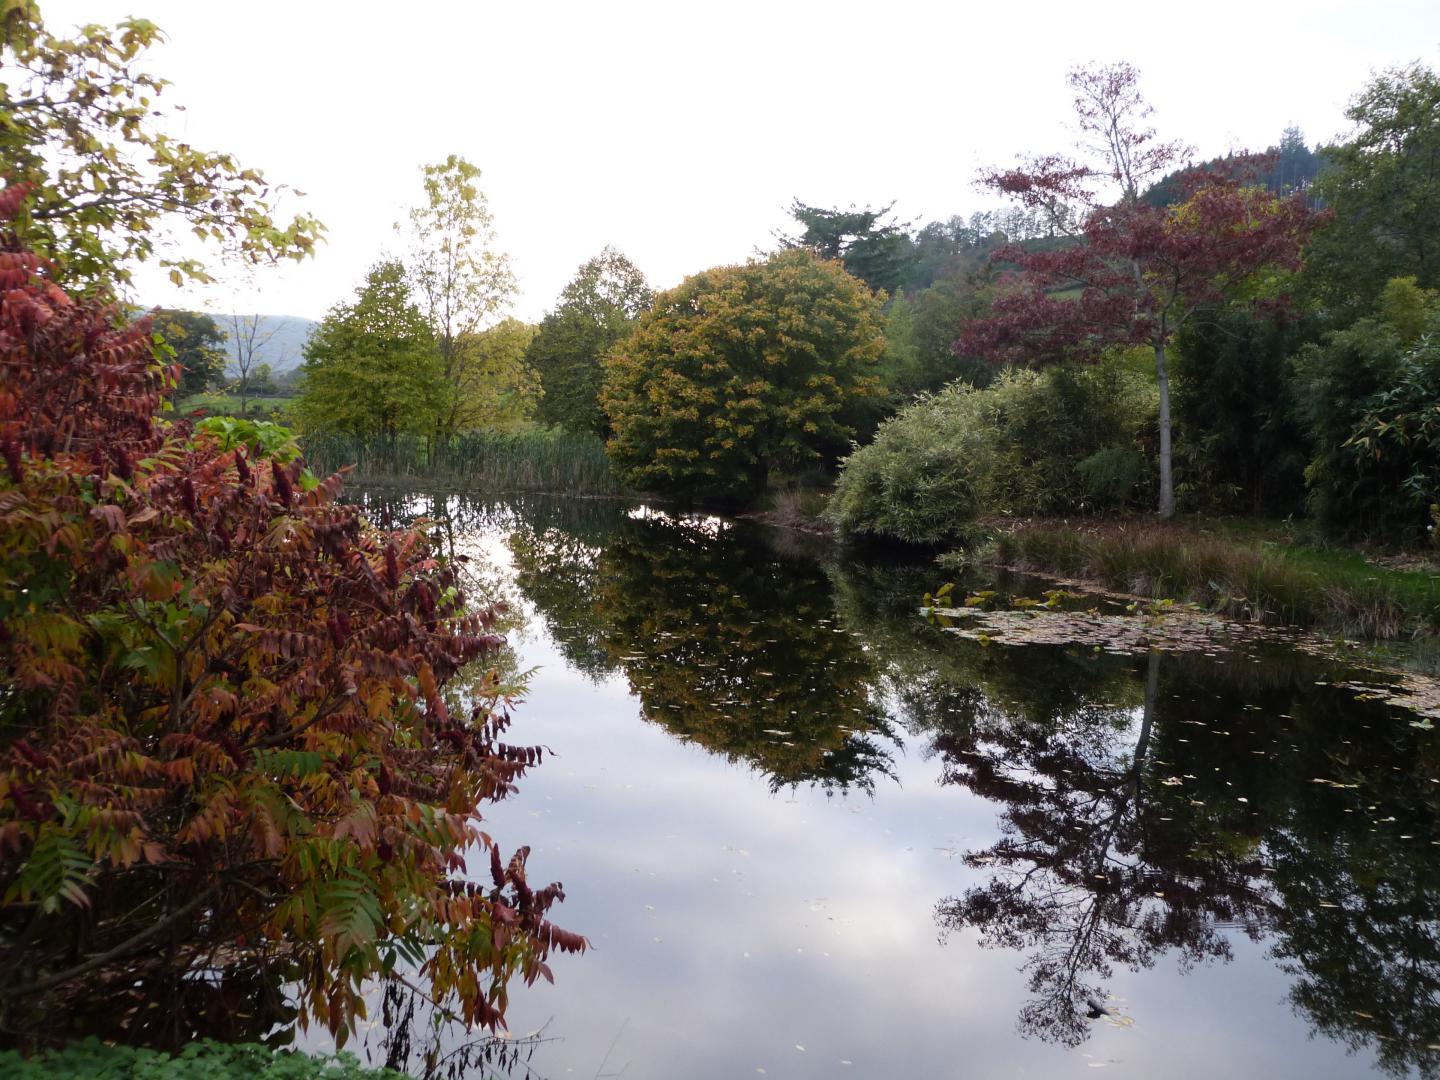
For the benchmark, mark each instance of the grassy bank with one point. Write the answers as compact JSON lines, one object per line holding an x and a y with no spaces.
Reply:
{"x":533,"y":461}
{"x":1243,"y":569}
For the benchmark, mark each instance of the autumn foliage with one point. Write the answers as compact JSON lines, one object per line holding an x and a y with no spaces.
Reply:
{"x":224,"y":728}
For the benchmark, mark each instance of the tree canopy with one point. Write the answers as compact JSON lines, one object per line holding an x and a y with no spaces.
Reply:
{"x":596,"y":309}
{"x":371,"y":367}
{"x":741,"y":372}
{"x":1383,"y":185}
{"x":198,"y":344}
{"x":105,"y":186}
{"x":459,"y":282}
{"x":877,"y":252}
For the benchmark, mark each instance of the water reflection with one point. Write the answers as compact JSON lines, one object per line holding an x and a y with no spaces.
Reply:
{"x":738,"y":653}
{"x":1142,"y":815}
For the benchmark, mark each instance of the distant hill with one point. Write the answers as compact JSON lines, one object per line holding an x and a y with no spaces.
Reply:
{"x":279,"y":339}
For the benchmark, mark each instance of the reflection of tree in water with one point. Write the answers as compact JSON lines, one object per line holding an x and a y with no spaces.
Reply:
{"x":1127,"y":836}
{"x":720,"y":642}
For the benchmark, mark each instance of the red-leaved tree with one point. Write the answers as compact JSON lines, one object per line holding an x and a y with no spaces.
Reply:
{"x":224,"y":728}
{"x":1131,"y":273}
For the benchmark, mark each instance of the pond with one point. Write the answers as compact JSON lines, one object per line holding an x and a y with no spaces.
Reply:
{"x":810,"y":833}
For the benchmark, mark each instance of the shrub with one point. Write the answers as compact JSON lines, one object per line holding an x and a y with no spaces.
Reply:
{"x":1373,"y":410}
{"x":225,"y":729}
{"x":203,"y":1060}
{"x":1015,"y":447}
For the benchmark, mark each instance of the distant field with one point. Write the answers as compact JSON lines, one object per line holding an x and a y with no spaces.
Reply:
{"x":229,"y":404}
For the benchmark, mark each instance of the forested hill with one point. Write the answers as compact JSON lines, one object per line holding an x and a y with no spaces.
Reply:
{"x":1293,"y":166}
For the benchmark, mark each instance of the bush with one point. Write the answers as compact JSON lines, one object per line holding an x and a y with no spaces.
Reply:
{"x":1015,"y":447}
{"x":1368,"y":403}
{"x":225,"y":738}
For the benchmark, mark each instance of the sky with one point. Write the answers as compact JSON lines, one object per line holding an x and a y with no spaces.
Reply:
{"x":679,"y":132}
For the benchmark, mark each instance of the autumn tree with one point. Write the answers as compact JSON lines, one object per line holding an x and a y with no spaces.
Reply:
{"x":105,"y":186}
{"x":742,"y":372}
{"x":460,"y":283}
{"x":500,"y":390}
{"x":595,"y":310}
{"x":224,"y":731}
{"x":1133,"y":272}
{"x":198,"y":344}
{"x":371,"y":367}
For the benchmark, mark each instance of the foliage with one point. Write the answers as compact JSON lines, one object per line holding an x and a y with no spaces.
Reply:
{"x":1243,"y":578}
{"x":499,"y":390}
{"x":371,"y":367}
{"x":204,"y":1060}
{"x":1338,"y":381}
{"x":1140,"y":270}
{"x":878,"y":254}
{"x":1240,"y":444}
{"x":542,"y":460}
{"x":1395,"y":447}
{"x":596,"y":309}
{"x":741,"y":372}
{"x":1015,"y":447}
{"x":1382,"y":186}
{"x":101,"y":181}
{"x":224,"y":728}
{"x":198,"y":345}
{"x":460,"y":285}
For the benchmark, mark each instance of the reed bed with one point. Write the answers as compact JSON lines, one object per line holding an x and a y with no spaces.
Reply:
{"x":552,"y":462}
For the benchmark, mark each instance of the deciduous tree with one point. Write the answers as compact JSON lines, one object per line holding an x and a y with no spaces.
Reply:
{"x":740,"y":372}
{"x":595,"y":310}
{"x":1134,"y":272}
{"x":460,"y":283}
{"x":105,"y":186}
{"x":198,"y":344}
{"x":371,"y":366}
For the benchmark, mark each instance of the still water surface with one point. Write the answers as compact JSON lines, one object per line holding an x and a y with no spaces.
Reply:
{"x":810,"y":834}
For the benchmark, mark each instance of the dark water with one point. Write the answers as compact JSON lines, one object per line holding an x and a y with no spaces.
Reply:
{"x":811,"y":835}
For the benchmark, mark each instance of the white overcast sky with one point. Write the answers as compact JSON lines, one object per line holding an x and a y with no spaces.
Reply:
{"x":679,"y":131}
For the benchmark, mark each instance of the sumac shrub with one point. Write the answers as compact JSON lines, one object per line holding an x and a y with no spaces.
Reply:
{"x":223,"y":732}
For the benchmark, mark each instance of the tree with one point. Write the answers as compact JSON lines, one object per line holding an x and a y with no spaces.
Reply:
{"x":224,"y":736}
{"x":102,"y":183}
{"x":741,"y":372}
{"x":371,"y":366}
{"x":249,"y":337}
{"x":458,"y":281}
{"x":262,"y":380}
{"x":596,"y":309}
{"x":500,"y":390}
{"x":1134,"y":272}
{"x":1384,"y":188}
{"x":881,"y":255}
{"x":198,"y":344}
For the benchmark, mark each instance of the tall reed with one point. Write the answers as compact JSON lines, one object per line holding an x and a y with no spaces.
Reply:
{"x":554,"y":462}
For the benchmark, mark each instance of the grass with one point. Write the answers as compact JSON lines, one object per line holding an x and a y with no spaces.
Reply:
{"x":552,"y":462}
{"x":1242,"y":569}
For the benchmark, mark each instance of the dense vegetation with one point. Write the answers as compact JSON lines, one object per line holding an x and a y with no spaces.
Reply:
{"x":740,"y":373}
